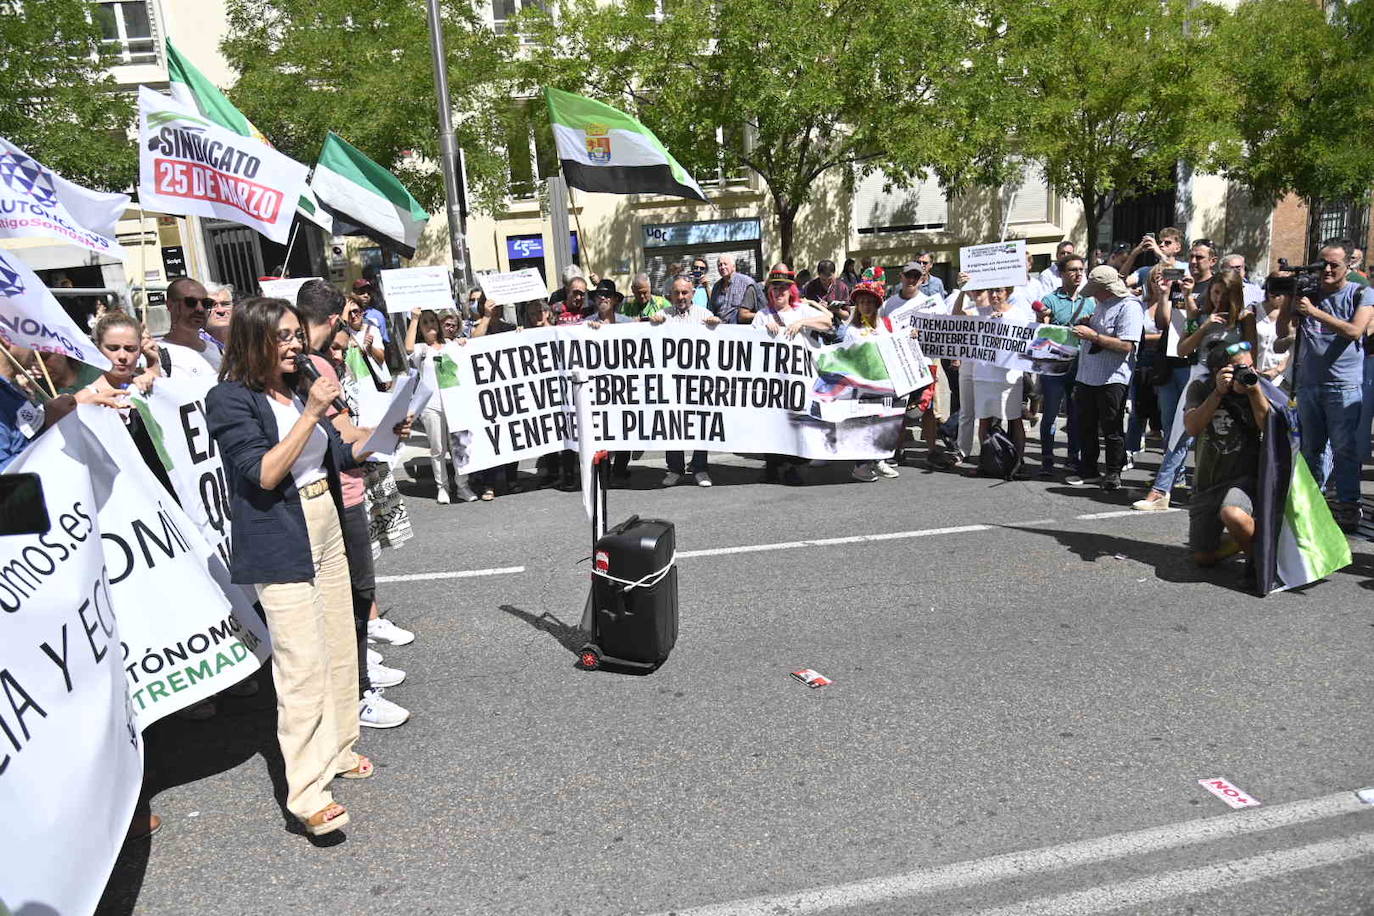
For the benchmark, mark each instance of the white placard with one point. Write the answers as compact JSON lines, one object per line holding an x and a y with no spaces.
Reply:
{"x":994,"y":265}
{"x":284,"y":289}
{"x":518,"y":286}
{"x":409,"y":288}
{"x":383,"y":440}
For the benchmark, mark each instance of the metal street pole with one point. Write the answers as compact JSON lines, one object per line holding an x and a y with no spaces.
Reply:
{"x":448,"y":153}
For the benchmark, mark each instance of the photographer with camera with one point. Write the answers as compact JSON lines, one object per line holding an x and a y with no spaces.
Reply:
{"x":1165,"y":248}
{"x":1226,"y":412}
{"x":1330,"y":320}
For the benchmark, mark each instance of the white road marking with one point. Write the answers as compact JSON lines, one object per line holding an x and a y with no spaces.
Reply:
{"x":1123,"y":513}
{"x":784,"y":545}
{"x":1048,"y":859}
{"x":460,"y":574}
{"x":1140,"y":891}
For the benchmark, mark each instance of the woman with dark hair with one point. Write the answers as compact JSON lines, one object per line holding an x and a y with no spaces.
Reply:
{"x":849,"y":273}
{"x":283,"y":461}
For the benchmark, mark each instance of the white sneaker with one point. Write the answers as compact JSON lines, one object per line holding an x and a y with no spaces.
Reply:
{"x":373,"y":657}
{"x":442,"y":498}
{"x":383,"y":630}
{"x":376,"y":711}
{"x":1130,"y":461}
{"x":382,"y":676}
{"x":888,"y":469}
{"x":703,"y":479}
{"x":672,"y":479}
{"x":464,"y":492}
{"x":1155,"y":502}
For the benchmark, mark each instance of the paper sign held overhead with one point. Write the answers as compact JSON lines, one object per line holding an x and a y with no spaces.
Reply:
{"x":994,"y":265}
{"x":509,"y":288}
{"x":284,"y":289}
{"x":409,"y":288}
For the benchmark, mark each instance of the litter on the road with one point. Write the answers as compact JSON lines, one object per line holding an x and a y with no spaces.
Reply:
{"x":812,"y":678}
{"x":1229,"y":793}
{"x":1366,"y":795}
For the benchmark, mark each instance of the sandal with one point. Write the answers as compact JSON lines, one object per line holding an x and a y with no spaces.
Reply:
{"x":364,"y":770}
{"x":326,"y":820}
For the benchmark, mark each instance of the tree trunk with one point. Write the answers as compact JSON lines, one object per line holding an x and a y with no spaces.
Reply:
{"x":787,"y":219}
{"x":1089,"y":198}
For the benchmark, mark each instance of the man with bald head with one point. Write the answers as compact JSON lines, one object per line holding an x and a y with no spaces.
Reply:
{"x":642,"y":302}
{"x":735,"y":296}
{"x":188,"y":305}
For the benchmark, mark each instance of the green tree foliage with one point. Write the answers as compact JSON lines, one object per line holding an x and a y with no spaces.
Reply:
{"x":57,"y":102}
{"x":1301,"y":87}
{"x":362,"y":68}
{"x":1109,"y":95}
{"x":792,"y":90}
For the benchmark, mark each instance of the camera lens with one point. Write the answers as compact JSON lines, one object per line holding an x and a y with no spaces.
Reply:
{"x":1247,"y":377}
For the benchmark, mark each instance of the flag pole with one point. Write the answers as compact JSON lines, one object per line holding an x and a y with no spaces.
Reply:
{"x":44,"y":366}
{"x":290,"y":243}
{"x":581,"y":236}
{"x":143,"y":262}
{"x":448,"y":151}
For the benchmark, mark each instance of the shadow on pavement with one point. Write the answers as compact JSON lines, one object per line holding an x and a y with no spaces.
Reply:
{"x":569,"y":637}
{"x":178,"y":751}
{"x":1170,"y":562}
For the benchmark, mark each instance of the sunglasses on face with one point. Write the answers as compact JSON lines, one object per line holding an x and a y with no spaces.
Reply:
{"x":194,"y":303}
{"x":1333,"y":265}
{"x":286,"y":336}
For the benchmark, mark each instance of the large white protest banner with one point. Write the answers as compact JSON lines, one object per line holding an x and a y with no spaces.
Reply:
{"x":71,"y":756}
{"x":994,"y":265}
{"x":1047,"y":349}
{"x":190,"y":165}
{"x":37,"y":202}
{"x":517,"y":286}
{"x":675,"y":386}
{"x":409,"y":288}
{"x":284,"y":289}
{"x":31,"y":317}
{"x":187,"y":637}
{"x":174,"y":414}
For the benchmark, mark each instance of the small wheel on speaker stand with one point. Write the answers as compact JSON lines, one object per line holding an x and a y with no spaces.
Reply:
{"x":589,"y":658}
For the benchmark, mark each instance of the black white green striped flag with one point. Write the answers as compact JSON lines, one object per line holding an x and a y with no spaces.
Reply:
{"x":607,"y":151}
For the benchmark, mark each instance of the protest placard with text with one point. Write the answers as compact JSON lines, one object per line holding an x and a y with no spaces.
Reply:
{"x":998,"y":264}
{"x":517,"y":286}
{"x":409,"y":288}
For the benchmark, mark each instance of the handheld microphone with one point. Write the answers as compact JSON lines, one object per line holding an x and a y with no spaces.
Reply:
{"x":306,"y":367}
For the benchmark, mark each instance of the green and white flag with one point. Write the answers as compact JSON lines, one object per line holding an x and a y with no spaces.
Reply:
{"x":191,"y":88}
{"x":605,"y":150}
{"x":355,"y":190}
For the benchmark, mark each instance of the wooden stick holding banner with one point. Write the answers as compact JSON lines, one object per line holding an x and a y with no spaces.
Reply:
{"x":37,"y":385}
{"x":143,"y":265}
{"x":44,"y":366}
{"x":581,"y":236}
{"x":290,"y":243}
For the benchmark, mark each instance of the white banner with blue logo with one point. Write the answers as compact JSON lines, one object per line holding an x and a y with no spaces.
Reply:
{"x":30,"y":316}
{"x":37,"y":202}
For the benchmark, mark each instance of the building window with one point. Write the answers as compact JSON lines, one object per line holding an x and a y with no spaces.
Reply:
{"x":880,"y":206}
{"x":1337,"y":219}
{"x":1032,"y":200}
{"x":128,"y":30}
{"x":726,"y":174}
{"x":502,"y":11}
{"x":531,"y":151}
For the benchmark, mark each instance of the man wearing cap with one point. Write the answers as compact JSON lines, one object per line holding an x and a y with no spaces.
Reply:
{"x":735,"y":297}
{"x":1106,"y":360}
{"x":642,"y":302}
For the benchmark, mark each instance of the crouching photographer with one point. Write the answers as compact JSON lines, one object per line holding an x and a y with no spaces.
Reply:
{"x":1226,"y":412}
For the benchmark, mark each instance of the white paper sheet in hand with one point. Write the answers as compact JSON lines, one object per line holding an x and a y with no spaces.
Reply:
{"x":384,"y":440}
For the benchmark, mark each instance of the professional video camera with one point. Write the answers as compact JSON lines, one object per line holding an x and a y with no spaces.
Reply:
{"x":1294,"y":281}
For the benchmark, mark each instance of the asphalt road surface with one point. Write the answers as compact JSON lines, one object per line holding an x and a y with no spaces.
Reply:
{"x":1029,"y":683}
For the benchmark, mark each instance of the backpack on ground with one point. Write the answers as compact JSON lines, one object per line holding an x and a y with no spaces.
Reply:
{"x":999,"y":457}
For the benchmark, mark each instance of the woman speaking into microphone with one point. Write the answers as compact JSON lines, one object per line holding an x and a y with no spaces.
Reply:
{"x":283,"y":465}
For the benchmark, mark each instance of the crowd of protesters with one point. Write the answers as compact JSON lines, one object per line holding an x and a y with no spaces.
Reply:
{"x":1183,"y":348}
